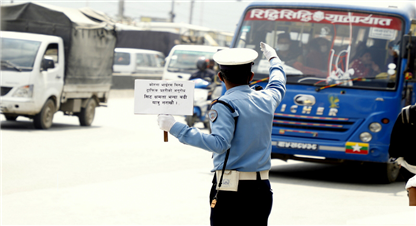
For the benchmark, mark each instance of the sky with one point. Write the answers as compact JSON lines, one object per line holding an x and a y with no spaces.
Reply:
{"x":218,"y":15}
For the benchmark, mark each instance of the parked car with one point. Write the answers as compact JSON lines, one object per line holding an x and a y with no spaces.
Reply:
{"x":138,"y":61}
{"x":181,"y":61}
{"x":131,"y":64}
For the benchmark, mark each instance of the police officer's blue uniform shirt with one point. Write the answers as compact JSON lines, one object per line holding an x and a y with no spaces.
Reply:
{"x":251,"y":143}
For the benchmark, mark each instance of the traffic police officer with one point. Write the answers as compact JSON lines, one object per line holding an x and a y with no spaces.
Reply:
{"x":402,"y":147}
{"x":241,"y":123}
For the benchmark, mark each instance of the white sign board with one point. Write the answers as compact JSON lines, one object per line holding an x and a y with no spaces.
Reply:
{"x":382,"y":33}
{"x":163,"y":97}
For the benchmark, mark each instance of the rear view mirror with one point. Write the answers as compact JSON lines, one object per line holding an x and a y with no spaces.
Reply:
{"x":405,"y":46}
{"x":47,"y":63}
{"x":408,"y":51}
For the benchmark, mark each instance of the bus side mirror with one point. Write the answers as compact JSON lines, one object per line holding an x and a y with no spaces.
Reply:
{"x":408,"y":51}
{"x":405,"y":46}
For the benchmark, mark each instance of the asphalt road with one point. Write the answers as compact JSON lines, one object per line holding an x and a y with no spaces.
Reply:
{"x":119,"y":171}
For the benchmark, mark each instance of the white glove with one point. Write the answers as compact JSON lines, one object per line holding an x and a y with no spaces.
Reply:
{"x":165,"y":122}
{"x":268,"y":51}
{"x":411,"y":183}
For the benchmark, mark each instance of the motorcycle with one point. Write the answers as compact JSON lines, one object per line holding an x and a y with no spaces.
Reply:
{"x":204,"y":92}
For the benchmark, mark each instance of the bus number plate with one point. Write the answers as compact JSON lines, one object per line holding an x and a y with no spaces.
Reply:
{"x":297,"y":145}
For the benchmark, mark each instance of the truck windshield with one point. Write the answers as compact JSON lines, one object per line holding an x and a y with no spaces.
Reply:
{"x":18,"y":54}
{"x":321,"y":47}
{"x":185,"y":60}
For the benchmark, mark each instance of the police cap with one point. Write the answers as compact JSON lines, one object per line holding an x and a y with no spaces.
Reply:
{"x":235,"y":64}
{"x":235,"y":59}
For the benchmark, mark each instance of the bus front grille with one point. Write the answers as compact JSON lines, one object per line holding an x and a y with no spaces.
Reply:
{"x":312,"y":123}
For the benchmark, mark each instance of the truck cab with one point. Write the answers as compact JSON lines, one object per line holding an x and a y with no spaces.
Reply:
{"x":32,"y":67}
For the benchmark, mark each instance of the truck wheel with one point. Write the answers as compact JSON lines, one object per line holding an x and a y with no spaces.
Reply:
{"x":190,"y":120}
{"x":10,"y":117}
{"x":43,"y":120}
{"x":86,"y":116}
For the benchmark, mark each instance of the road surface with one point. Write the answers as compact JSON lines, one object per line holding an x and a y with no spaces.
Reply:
{"x":119,"y":171}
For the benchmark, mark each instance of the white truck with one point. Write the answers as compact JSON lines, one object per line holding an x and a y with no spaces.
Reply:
{"x":53,"y":59}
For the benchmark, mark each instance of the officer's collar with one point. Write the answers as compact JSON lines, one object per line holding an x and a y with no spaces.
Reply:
{"x":236,"y":88}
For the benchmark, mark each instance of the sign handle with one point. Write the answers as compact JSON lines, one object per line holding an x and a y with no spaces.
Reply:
{"x":165,"y":135}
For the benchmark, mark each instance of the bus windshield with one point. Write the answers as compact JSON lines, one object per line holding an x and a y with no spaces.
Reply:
{"x":321,"y":47}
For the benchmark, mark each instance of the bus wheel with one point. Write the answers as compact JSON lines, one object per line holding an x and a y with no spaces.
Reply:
{"x":391,"y":172}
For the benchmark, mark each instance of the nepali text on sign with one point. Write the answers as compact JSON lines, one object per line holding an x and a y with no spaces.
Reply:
{"x":163,"y":97}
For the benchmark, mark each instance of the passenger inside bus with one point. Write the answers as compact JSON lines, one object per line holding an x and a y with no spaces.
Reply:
{"x":287,"y":50}
{"x":393,"y":50}
{"x":314,"y":58}
{"x":317,"y":56}
{"x":364,"y":65}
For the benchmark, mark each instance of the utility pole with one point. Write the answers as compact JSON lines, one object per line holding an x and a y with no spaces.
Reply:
{"x":191,"y":9}
{"x":172,"y":14}
{"x":120,"y":10}
{"x":201,"y":14}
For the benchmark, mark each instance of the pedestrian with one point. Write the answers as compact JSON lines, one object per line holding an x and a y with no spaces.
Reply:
{"x":241,"y":123}
{"x":403,"y":150}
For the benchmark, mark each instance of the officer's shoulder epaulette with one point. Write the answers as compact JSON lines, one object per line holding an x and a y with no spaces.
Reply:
{"x":257,"y":87}
{"x":224,"y":103}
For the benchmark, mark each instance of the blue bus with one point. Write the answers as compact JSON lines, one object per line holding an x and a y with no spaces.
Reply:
{"x":349,"y":73}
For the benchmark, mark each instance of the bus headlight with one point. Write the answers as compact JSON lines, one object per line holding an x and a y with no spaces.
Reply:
{"x":24,"y":91}
{"x":365,"y":137}
{"x":375,"y":127}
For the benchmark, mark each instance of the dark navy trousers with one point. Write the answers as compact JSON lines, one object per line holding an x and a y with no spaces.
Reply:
{"x":250,"y":205}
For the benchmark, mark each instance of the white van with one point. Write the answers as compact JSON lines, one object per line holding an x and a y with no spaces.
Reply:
{"x":138,"y":61}
{"x":181,"y":61}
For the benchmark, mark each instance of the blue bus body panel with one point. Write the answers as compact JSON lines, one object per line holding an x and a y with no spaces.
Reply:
{"x":335,"y":120}
{"x":330,"y":150}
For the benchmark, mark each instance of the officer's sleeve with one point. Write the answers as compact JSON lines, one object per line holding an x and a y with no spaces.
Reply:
{"x":220,"y":138}
{"x":277,"y":80}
